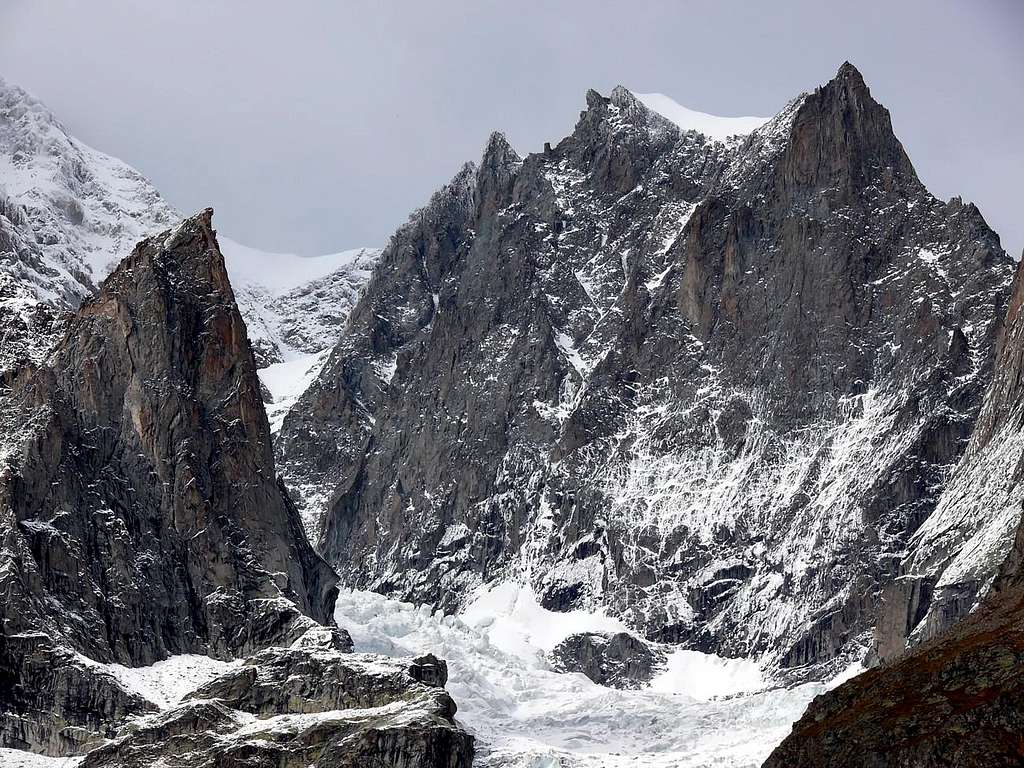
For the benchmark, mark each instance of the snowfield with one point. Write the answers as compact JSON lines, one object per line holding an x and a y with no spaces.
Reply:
{"x":702,"y":711}
{"x":287,"y":381}
{"x":712,"y":126}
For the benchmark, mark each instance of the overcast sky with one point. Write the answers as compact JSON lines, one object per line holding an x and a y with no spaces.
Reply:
{"x":313,"y":127}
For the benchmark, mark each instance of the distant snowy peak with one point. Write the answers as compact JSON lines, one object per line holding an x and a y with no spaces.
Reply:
{"x":69,"y":214}
{"x":295,"y":306}
{"x":280,"y":273}
{"x":74,"y":211}
{"x":712,"y":126}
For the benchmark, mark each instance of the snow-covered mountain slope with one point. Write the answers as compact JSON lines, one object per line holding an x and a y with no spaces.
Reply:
{"x":295,"y":306}
{"x":68,"y":213}
{"x":714,"y":387}
{"x":81,"y":209}
{"x":712,"y":126}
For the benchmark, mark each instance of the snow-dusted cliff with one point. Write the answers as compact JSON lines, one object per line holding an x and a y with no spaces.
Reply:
{"x":714,"y":386}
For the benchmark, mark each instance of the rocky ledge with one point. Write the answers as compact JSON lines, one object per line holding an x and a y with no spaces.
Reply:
{"x":312,"y":704}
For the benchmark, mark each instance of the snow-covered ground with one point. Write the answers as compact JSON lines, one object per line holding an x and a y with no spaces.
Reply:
{"x":287,"y":381}
{"x":701,"y":711}
{"x":165,"y":682}
{"x":294,"y":309}
{"x":15,"y":758}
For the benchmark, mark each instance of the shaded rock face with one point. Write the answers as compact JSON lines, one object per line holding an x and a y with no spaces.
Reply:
{"x":617,"y":660}
{"x":140,"y":514}
{"x":957,"y":700}
{"x":954,"y":557}
{"x":53,"y":701}
{"x":311,"y":704}
{"x":713,"y":387}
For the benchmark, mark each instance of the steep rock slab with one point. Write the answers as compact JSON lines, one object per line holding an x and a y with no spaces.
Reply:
{"x":141,"y":515}
{"x":713,"y":386}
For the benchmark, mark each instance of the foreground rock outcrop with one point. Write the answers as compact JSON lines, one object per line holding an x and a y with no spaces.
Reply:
{"x":957,"y":700}
{"x":309,"y":705}
{"x":715,"y":387}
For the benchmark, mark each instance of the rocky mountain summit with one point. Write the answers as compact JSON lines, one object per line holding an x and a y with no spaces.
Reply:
{"x":143,"y":517}
{"x":715,"y":386}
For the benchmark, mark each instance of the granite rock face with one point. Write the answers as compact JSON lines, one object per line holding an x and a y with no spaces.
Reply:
{"x":714,"y":387}
{"x":616,"y":659}
{"x":141,"y":512}
{"x":141,"y":517}
{"x":54,"y":701}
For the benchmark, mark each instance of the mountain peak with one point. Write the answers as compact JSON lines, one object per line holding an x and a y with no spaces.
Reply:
{"x":499,"y":148}
{"x":842,"y":135}
{"x":849,"y":73}
{"x":622,"y":97}
{"x":850,"y":81}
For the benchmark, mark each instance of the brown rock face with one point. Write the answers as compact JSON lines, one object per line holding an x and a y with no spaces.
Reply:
{"x":957,"y":700}
{"x":141,"y":515}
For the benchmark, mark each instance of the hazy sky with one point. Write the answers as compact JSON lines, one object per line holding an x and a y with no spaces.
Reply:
{"x":314,"y":127}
